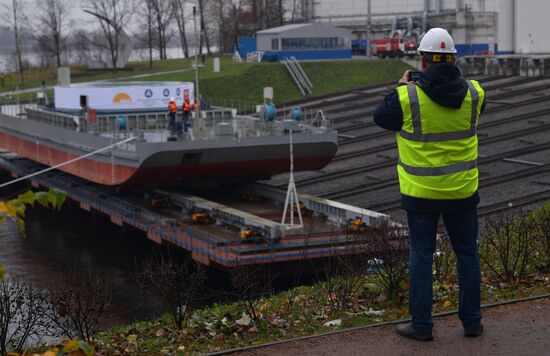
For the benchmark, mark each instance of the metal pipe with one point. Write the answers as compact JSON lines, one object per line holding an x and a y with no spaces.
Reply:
{"x":196,"y":125}
{"x":368,"y":49}
{"x":424,"y":22}
{"x":438,"y":6}
{"x":409,"y":25}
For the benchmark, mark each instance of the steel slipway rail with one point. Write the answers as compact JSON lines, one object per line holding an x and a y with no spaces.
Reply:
{"x":206,"y":248}
{"x":370,"y":326}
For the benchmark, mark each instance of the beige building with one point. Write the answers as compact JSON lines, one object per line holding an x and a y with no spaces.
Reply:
{"x":478,"y":26}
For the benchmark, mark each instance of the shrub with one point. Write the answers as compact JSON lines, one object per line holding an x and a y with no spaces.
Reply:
{"x":506,"y":246}
{"x":390,"y":247}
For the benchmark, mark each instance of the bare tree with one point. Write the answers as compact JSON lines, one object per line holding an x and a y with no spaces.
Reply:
{"x":390,"y":255}
{"x":181,"y":20}
{"x":236,"y":10}
{"x":162,"y":12}
{"x":202,"y":6}
{"x":345,"y":270}
{"x":220,"y":14}
{"x":250,"y":284}
{"x":146,"y":15}
{"x":13,"y":16}
{"x":175,"y":284}
{"x":51,"y":15}
{"x":293,"y":10}
{"x":113,"y":16}
{"x":22,"y":315}
{"x":78,"y":303}
{"x":79,"y":43}
{"x":506,"y":246}
{"x":281,"y":12}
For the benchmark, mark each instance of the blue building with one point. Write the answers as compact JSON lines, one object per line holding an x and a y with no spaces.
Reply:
{"x":309,"y":41}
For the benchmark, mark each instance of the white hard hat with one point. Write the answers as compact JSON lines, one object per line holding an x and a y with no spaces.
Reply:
{"x":437,"y":40}
{"x":172,"y":99}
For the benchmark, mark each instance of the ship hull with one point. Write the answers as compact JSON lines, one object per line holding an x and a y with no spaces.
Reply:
{"x":143,"y":162}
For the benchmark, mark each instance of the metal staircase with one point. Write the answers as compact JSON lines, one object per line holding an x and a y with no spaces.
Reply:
{"x":298,"y":75}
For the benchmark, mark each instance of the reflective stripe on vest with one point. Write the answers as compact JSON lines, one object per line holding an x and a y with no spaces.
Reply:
{"x":435,"y":161}
{"x":438,"y":171}
{"x":417,"y":134}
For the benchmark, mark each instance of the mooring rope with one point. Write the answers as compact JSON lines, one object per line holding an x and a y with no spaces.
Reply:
{"x":66,"y":162}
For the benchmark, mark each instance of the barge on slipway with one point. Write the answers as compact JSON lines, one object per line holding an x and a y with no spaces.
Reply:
{"x":220,"y":144}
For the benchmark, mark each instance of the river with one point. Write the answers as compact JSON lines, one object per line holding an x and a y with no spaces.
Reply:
{"x":60,"y":242}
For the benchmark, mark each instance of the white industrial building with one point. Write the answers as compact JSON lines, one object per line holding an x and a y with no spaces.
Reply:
{"x":478,"y":26}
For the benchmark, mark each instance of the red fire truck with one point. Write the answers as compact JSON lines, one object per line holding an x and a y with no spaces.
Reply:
{"x":398,"y":46}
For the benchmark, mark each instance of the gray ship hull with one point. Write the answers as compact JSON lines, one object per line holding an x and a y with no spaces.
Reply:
{"x":143,"y":161}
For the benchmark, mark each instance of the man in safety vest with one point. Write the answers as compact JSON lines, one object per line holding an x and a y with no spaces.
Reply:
{"x":172,"y":112}
{"x":186,"y":111}
{"x":435,"y":118}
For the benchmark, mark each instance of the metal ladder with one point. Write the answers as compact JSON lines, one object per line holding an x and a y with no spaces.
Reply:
{"x":298,"y":75}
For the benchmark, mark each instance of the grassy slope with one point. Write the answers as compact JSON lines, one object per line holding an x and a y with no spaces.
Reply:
{"x":245,"y":81}
{"x":34,"y":77}
{"x":241,"y":81}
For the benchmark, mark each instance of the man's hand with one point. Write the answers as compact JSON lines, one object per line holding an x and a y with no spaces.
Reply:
{"x":405,"y":78}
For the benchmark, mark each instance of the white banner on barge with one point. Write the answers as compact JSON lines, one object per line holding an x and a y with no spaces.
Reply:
{"x":132,"y":96}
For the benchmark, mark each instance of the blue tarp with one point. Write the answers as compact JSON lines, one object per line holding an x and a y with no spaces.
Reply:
{"x":246,"y":45}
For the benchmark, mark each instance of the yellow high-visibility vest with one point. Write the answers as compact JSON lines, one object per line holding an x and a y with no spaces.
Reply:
{"x":438,"y":145}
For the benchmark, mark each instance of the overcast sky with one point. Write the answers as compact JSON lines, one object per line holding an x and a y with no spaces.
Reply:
{"x":78,"y":17}
{"x":75,"y":10}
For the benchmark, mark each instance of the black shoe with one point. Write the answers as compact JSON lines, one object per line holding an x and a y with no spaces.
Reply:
{"x":407,"y":330}
{"x":473,"y":332}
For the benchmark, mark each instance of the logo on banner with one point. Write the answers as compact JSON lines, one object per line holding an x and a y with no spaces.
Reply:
{"x":166,"y":92}
{"x":122,"y":98}
{"x":178,"y":92}
{"x":148,"y":93}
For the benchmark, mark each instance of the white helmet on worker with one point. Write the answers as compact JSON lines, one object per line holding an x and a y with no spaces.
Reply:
{"x":437,"y":40}
{"x":172,"y":99}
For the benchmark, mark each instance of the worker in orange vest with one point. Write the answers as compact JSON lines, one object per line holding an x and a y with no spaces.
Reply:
{"x":172,"y":112}
{"x":186,"y":111}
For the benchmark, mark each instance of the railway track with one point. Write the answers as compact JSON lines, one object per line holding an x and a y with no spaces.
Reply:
{"x":369,"y":111}
{"x":351,"y":111}
{"x":483,"y":183}
{"x":349,"y":191}
{"x":490,"y":110}
{"x":482,"y":140}
{"x":393,"y":161}
{"x":481,"y":126}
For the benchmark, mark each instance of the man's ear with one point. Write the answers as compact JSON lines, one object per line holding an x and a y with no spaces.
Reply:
{"x":424,"y":63}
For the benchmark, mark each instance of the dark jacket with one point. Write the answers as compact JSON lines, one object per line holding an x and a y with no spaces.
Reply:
{"x":444,"y":84}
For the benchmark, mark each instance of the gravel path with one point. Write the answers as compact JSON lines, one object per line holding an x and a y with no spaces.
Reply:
{"x":514,"y":329}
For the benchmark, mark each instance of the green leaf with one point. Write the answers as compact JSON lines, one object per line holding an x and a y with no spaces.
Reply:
{"x":17,"y":206}
{"x":56,"y":198}
{"x":2,"y":273}
{"x":42,"y":198}
{"x":21,"y":225}
{"x":27,"y":198}
{"x":86,"y":348}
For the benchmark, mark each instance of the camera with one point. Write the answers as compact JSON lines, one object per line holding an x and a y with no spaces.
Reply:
{"x":414,"y":76}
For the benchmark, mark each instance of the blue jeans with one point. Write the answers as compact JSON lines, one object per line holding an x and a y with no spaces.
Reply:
{"x":462,"y":227}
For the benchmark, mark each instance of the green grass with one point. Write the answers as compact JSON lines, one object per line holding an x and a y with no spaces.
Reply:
{"x":245,"y":81}
{"x":34,"y":77}
{"x":242,"y":83}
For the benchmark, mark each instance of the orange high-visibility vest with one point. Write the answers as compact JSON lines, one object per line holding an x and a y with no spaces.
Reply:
{"x":195,"y":106}
{"x":186,"y":106}
{"x":172,"y":107}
